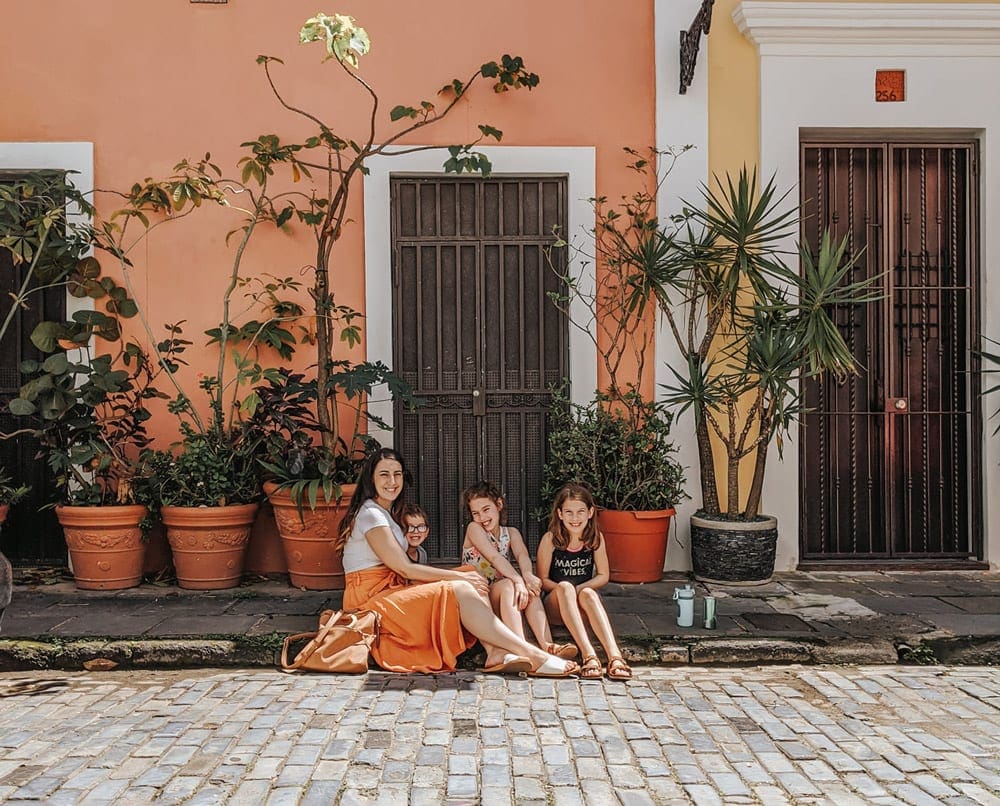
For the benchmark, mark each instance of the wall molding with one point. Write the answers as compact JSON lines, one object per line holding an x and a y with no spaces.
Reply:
{"x":777,"y":27}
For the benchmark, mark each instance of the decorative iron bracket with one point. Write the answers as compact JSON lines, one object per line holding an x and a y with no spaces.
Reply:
{"x":691,"y":40}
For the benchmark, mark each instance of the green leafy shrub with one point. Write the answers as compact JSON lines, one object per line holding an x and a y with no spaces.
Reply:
{"x":622,"y":453}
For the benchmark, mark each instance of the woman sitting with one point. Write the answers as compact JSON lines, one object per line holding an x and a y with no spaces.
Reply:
{"x":424,"y":626}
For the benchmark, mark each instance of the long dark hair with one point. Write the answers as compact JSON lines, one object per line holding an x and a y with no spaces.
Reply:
{"x":366,"y":490}
{"x":485,"y":489}
{"x":560,"y":537}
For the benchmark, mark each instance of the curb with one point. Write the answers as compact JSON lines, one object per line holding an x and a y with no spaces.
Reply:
{"x":238,"y":651}
{"x":104,"y":655}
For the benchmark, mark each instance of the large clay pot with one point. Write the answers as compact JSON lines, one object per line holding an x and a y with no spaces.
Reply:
{"x":636,"y":543}
{"x":4,"y":509}
{"x":307,"y":536}
{"x":733,"y":552}
{"x":209,"y":544}
{"x":105,"y":544}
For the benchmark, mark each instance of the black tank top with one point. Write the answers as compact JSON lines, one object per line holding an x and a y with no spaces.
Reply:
{"x":575,"y":567}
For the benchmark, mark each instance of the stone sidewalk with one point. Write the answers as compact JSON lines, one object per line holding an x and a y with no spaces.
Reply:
{"x":845,"y":736}
{"x":877,"y":617}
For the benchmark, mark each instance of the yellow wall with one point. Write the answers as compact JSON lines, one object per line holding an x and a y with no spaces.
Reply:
{"x":733,"y":94}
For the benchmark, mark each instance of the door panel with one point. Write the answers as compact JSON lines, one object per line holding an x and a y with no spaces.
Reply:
{"x":880,"y":451}
{"x":478,"y":338}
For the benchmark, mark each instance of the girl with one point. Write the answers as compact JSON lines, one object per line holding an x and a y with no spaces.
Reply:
{"x":489,"y":544}
{"x":423,"y":626}
{"x":573,"y":564}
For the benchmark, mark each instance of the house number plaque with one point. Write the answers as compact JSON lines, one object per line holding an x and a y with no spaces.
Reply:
{"x":890,"y":85}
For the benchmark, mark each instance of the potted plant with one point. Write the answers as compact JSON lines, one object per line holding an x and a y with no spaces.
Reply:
{"x":207,"y":494}
{"x":338,"y":160}
{"x":206,"y":487}
{"x":750,"y":330}
{"x":89,"y":410}
{"x":312,"y":451}
{"x":618,"y":444}
{"x":623,"y":453}
{"x":308,"y":485}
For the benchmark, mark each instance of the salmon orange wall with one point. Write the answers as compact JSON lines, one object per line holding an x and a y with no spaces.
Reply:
{"x":149,"y":83}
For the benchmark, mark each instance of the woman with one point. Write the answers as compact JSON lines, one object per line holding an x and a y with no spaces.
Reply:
{"x":424,"y":626}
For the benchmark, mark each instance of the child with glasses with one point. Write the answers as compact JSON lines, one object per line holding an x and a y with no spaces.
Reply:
{"x":413,"y":521}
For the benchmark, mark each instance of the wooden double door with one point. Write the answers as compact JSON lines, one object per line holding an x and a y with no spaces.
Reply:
{"x":477,"y":335}
{"x":890,"y":459}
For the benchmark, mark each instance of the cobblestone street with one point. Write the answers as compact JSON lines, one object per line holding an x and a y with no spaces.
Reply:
{"x":917,"y":735}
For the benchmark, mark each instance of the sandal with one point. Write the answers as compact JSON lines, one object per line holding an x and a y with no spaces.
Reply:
{"x":618,"y":669}
{"x":511,"y":664}
{"x":564,"y":651}
{"x":591,"y":668}
{"x":554,"y":667}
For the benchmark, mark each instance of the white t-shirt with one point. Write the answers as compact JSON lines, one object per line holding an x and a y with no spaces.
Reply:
{"x":358,"y":554}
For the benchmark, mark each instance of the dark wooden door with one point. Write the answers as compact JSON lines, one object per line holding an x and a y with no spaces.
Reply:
{"x":28,"y":536}
{"x":890,"y":459}
{"x":477,"y":336}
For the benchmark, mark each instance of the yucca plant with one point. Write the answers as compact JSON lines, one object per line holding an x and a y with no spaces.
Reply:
{"x":993,"y":360}
{"x":749,"y":328}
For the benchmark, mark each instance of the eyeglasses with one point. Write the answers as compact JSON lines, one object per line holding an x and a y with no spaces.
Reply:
{"x":420,"y":528}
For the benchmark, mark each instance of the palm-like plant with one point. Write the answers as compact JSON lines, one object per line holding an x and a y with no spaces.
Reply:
{"x":749,"y":328}
{"x":994,"y":360}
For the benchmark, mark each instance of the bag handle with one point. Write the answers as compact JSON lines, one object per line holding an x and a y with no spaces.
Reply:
{"x":315,"y":638}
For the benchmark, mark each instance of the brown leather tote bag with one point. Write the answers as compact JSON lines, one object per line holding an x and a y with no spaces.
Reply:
{"x":342,"y":644}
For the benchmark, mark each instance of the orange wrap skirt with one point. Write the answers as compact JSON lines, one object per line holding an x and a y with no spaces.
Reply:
{"x":420,"y":628}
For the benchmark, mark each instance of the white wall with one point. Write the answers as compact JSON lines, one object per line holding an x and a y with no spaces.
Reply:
{"x":680,"y":120}
{"x":817,"y":69}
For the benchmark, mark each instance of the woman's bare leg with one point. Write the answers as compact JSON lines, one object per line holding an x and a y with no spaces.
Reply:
{"x":479,"y":619}
{"x":564,"y":598}
{"x":593,"y":607}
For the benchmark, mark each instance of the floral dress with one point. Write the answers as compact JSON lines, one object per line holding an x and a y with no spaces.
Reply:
{"x":471,"y":555}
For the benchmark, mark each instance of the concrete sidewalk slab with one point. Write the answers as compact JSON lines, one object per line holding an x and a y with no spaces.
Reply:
{"x":814,"y":617}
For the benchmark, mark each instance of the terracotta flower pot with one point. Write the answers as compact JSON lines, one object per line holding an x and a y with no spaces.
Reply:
{"x":637,"y":543}
{"x":307,"y":537}
{"x":209,"y":544}
{"x":105,"y":545}
{"x":4,"y":509}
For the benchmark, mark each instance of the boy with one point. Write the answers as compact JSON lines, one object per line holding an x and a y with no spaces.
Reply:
{"x":413,"y":520}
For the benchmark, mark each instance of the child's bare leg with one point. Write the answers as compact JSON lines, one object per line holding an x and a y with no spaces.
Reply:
{"x":502,"y":599}
{"x":564,"y":601}
{"x":534,"y":613}
{"x":591,"y":604}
